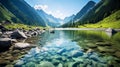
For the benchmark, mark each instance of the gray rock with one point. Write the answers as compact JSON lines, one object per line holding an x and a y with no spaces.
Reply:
{"x":22,"y":45}
{"x":6,"y":42}
{"x":18,"y":35}
{"x":110,"y":30}
{"x":4,"y":36}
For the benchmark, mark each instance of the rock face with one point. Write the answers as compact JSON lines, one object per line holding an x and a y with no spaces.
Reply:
{"x":18,"y":35}
{"x":6,"y":42}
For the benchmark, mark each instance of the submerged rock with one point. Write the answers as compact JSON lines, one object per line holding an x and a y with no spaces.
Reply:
{"x":103,"y":44}
{"x":19,"y":63}
{"x":117,"y":54}
{"x":77,"y":53}
{"x":4,"y":62}
{"x":30,"y":64}
{"x":46,"y":64}
{"x":61,"y":51}
{"x":60,"y":65}
{"x":91,"y":45}
{"x":106,"y":49}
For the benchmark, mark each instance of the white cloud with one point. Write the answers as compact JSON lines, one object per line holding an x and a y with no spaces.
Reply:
{"x":39,"y":7}
{"x":57,"y":14}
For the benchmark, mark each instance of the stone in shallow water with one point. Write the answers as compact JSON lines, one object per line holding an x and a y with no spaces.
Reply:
{"x":76,"y":53}
{"x":60,"y":65}
{"x":80,"y":59}
{"x":19,"y":62}
{"x":55,"y":62}
{"x":91,"y":45}
{"x":31,"y":64}
{"x":95,"y":58}
{"x":106,"y":49}
{"x":76,"y":64}
{"x":68,"y":64}
{"x":117,"y":54}
{"x":103,"y":44}
{"x":9,"y":66}
{"x":45,"y":64}
{"x":4,"y":62}
{"x":61,"y":51}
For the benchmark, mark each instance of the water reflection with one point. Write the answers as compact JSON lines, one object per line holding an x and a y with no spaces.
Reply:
{"x":67,"y":49}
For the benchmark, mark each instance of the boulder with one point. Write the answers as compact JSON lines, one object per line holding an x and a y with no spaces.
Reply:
{"x":22,"y":45}
{"x":18,"y":35}
{"x":6,"y":42}
{"x":110,"y":30}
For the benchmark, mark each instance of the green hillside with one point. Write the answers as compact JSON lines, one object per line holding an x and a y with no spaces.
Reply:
{"x":23,"y":11}
{"x":112,"y":21}
{"x":102,"y":10}
{"x":7,"y":15}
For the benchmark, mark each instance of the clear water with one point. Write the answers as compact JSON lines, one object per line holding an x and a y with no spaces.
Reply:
{"x":67,"y":49}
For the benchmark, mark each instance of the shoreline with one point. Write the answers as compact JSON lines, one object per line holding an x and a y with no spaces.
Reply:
{"x":101,"y":29}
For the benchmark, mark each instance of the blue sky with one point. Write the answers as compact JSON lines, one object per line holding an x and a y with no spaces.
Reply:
{"x":59,"y":8}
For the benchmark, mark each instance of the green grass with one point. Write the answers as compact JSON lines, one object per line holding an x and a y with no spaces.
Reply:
{"x":112,"y":21}
{"x":21,"y":26}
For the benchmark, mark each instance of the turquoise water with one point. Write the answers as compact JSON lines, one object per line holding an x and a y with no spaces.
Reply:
{"x":66,"y":49}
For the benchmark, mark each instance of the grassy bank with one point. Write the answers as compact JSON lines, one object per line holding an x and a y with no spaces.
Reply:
{"x":22,"y":26}
{"x":113,"y":21}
